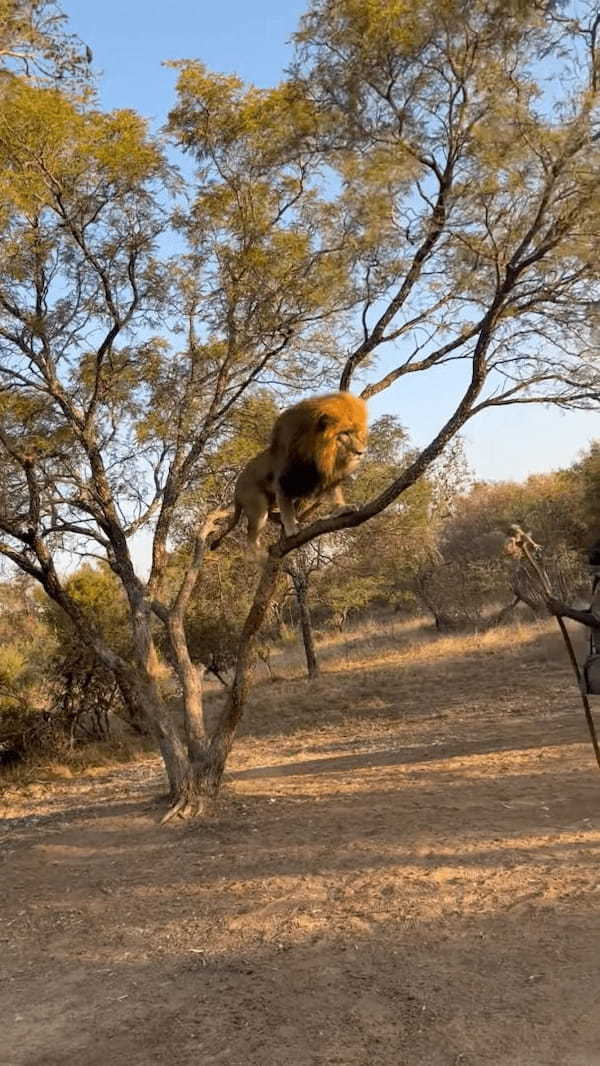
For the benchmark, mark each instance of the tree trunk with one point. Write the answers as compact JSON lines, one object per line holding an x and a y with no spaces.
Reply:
{"x":136,"y":715}
{"x":300,"y":581}
{"x":191,"y":687}
{"x":312,"y":665}
{"x":145,"y":684}
{"x":206,"y":772}
{"x":141,"y":685}
{"x":190,"y":675}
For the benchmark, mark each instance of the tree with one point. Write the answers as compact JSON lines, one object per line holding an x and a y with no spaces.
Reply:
{"x":407,"y":185}
{"x":34,"y":43}
{"x":579,"y":526}
{"x":472,"y":208}
{"x":466,"y":574}
{"x":86,"y":694}
{"x":584,"y":479}
{"x":299,"y":570}
{"x":106,"y":427}
{"x":26,"y":650}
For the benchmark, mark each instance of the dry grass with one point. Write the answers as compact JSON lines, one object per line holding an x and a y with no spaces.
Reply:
{"x":30,"y":776}
{"x":371,"y":672}
{"x":374,"y":674}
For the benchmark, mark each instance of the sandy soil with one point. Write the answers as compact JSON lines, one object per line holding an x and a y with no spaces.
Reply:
{"x":403,"y":871}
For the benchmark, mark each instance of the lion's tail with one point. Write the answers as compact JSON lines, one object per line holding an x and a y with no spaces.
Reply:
{"x":232,"y":523}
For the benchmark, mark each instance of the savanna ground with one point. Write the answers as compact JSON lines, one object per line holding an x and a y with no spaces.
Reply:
{"x":403,"y":870}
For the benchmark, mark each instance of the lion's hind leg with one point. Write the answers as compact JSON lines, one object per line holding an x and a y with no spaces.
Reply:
{"x":231,"y":524}
{"x":257,"y":513}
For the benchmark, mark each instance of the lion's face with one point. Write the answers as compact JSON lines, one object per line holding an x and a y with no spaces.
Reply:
{"x":350,"y":447}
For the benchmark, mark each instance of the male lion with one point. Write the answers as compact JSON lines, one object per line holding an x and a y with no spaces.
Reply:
{"x":314,"y":446}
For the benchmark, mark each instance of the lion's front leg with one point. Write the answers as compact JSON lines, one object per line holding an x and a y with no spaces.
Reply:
{"x":337,"y":503}
{"x":287,"y":512}
{"x":336,"y":500}
{"x":333,"y":499}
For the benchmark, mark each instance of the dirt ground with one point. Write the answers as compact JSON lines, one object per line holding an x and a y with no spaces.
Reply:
{"x":403,"y":871}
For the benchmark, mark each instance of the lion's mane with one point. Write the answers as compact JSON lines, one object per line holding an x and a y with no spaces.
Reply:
{"x":305,"y":444}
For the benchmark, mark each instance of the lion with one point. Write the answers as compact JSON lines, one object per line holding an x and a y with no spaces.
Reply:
{"x":314,"y":446}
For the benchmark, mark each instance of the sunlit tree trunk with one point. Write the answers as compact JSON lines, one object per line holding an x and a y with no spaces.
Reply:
{"x":206,"y":772}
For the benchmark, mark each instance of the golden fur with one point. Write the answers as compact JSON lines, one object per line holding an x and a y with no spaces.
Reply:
{"x":314,"y":446}
{"x":311,"y":429}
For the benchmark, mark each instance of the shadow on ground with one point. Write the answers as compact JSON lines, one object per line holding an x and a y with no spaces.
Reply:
{"x":405,"y":885}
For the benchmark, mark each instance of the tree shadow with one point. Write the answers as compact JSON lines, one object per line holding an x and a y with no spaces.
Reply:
{"x":426,"y":900}
{"x":402,"y":755}
{"x":442,"y":680}
{"x":390,"y":996}
{"x":313,"y":943}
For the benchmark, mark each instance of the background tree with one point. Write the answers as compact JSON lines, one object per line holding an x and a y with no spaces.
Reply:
{"x":26,"y":650}
{"x":584,"y":478}
{"x":34,"y":43}
{"x":382,"y":562}
{"x":85,"y":694}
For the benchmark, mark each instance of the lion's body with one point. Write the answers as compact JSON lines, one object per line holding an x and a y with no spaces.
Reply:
{"x":314,"y":446}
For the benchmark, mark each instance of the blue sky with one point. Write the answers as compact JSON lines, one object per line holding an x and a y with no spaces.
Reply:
{"x":131,"y":38}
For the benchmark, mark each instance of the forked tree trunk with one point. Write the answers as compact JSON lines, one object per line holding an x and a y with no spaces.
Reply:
{"x":221,"y":741}
{"x":146,"y":681}
{"x":190,"y":676}
{"x":205,"y":773}
{"x":141,"y":682}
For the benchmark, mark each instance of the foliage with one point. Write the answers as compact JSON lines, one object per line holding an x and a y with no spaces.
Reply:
{"x":54,"y":692}
{"x":84,"y":692}
{"x":26,"y":649}
{"x":468,"y":575}
{"x":34,"y":43}
{"x":352,"y":571}
{"x":218,"y":609}
{"x":584,"y":482}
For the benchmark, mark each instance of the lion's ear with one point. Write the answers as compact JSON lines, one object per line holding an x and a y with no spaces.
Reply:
{"x":324,"y":421}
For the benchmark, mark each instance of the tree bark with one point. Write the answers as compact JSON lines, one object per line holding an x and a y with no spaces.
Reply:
{"x":145,"y":681}
{"x":300,"y":582}
{"x":189,"y":674}
{"x":312,"y":665}
{"x":205,"y":773}
{"x":136,"y":715}
{"x":190,"y":677}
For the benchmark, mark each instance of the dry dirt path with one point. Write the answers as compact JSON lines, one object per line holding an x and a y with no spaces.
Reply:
{"x":411,"y":884}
